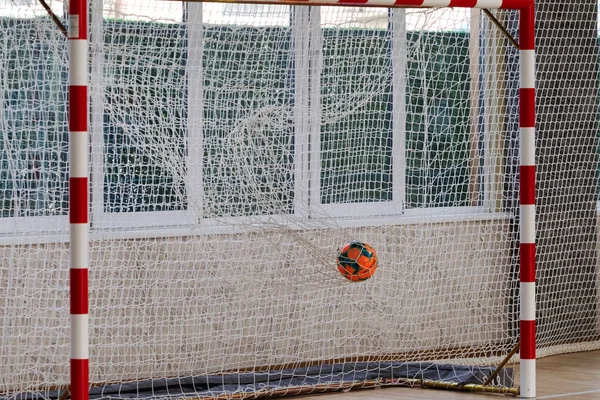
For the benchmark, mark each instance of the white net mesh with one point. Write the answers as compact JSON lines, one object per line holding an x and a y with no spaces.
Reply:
{"x":235,"y":148}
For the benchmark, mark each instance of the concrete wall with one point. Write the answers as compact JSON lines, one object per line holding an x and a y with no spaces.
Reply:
{"x":193,"y":305}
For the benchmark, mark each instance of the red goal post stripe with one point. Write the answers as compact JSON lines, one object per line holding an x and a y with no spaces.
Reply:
{"x":491,"y":4}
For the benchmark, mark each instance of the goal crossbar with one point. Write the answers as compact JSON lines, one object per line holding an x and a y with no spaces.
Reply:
{"x":484,"y":4}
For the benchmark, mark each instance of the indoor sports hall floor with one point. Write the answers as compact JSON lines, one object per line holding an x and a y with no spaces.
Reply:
{"x":573,"y":376}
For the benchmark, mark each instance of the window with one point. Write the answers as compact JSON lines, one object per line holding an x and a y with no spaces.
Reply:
{"x":336,"y":120}
{"x":247,"y":124}
{"x":144,"y":141}
{"x":360,"y":116}
{"x":437,"y":120}
{"x":398,"y":153}
{"x":358,"y":139}
{"x":33,"y":126}
{"x":139,"y":118}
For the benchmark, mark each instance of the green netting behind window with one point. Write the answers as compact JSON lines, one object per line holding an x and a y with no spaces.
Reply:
{"x":437,"y":119}
{"x":356,"y":128}
{"x":144,"y":117}
{"x":248,"y":121}
{"x":33,"y":119}
{"x":248,"y":93}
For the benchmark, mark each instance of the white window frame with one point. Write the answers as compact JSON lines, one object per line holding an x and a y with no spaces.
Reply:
{"x":395,"y":210}
{"x":17,"y":226}
{"x":307,"y":47}
{"x":307,"y":44}
{"x":358,"y":210}
{"x":99,"y":219}
{"x":195,"y":182}
{"x":34,"y":225}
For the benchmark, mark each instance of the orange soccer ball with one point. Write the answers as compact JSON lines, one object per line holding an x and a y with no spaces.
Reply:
{"x":357,"y":261}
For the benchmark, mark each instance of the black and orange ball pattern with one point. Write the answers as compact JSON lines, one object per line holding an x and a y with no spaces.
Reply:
{"x":357,"y":261}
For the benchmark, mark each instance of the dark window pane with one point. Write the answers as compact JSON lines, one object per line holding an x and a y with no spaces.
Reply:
{"x":33,"y":128}
{"x":248,"y":122}
{"x":356,"y":129}
{"x":437,"y":119}
{"x":144,"y":117}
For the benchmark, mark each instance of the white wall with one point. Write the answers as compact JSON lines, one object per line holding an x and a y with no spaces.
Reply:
{"x":193,"y":305}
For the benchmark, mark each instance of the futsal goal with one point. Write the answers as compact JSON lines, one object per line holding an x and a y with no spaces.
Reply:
{"x":198,"y":165}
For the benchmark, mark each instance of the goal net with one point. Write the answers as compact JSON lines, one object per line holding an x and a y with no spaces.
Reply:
{"x":234,"y":149}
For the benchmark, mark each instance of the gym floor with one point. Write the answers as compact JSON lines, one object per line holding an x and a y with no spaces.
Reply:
{"x":573,"y":376}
